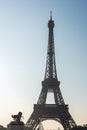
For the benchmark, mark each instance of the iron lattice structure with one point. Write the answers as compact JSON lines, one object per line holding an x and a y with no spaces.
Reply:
{"x":59,"y":110}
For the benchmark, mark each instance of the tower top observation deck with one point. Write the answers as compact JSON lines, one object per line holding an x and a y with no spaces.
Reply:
{"x":51,"y":22}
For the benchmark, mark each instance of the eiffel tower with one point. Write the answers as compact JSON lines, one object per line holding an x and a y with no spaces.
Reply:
{"x":59,"y":110}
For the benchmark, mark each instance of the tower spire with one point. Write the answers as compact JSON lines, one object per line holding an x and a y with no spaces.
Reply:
{"x":50,"y":15}
{"x":50,"y":71}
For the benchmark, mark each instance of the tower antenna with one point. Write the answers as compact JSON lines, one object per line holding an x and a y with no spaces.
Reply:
{"x":50,"y":15}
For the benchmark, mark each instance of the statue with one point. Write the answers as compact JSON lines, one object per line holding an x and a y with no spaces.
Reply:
{"x":17,"y":118}
{"x":16,"y":124}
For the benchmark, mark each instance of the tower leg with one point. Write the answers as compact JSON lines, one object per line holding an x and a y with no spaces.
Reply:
{"x":32,"y":122}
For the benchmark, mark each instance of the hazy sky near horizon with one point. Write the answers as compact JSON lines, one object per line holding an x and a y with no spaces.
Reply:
{"x":23,"y":49}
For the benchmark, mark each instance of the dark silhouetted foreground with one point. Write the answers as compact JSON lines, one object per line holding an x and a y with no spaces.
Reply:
{"x":2,"y":127}
{"x":80,"y":128}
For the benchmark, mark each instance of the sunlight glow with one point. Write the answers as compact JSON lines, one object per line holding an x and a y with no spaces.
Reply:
{"x":51,"y":125}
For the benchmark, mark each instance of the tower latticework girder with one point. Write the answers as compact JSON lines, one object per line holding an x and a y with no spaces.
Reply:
{"x":58,"y":111}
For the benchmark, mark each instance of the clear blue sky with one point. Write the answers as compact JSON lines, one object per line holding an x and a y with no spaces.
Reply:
{"x":23,"y":49}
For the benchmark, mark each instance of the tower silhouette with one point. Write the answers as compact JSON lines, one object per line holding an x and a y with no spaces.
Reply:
{"x":59,"y":110}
